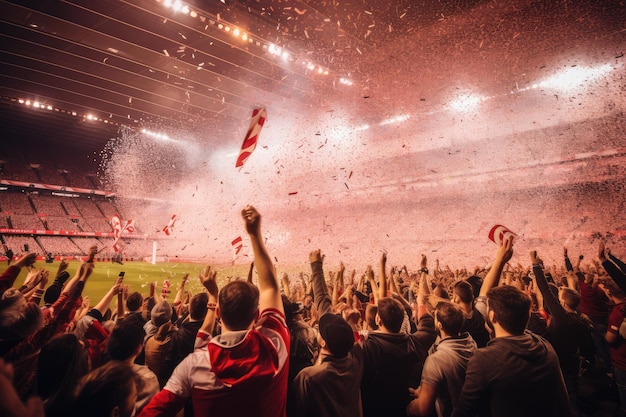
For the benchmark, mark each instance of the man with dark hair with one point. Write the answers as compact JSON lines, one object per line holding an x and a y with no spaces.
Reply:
{"x":243,"y":371}
{"x":444,"y":369}
{"x":124,"y":345}
{"x":109,"y":390}
{"x":390,"y":314}
{"x":134,"y":303}
{"x":474,"y":324}
{"x":517,"y":373}
{"x":393,"y":360}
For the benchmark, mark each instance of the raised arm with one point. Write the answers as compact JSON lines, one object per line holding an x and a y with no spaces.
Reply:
{"x":552,"y":302}
{"x":8,"y":277}
{"x":370,"y":277}
{"x":105,"y":301}
{"x":208,"y":280}
{"x":503,"y":255}
{"x":614,"y":272}
{"x":382,"y":289}
{"x":338,"y":284}
{"x":320,"y":291}
{"x":181,"y":290}
{"x":269,"y":290}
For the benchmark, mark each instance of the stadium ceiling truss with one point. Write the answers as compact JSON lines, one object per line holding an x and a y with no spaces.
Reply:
{"x":88,"y":67}
{"x":148,"y":62}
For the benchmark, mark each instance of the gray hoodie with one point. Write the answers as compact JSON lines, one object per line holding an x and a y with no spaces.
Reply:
{"x":515,"y":376}
{"x":445,"y":368}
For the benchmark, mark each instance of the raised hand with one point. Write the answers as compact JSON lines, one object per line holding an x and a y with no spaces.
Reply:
{"x":505,"y":251}
{"x":93,"y":251}
{"x":208,"y":280}
{"x":316,"y":256}
{"x":602,"y":251}
{"x":252,"y":219}
{"x":26,"y":260}
{"x":62,"y":267}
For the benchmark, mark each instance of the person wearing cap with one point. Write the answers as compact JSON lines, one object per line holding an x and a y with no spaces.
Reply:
{"x":244,"y":370}
{"x":160,"y":314}
{"x":333,"y":386}
{"x":158,"y":343}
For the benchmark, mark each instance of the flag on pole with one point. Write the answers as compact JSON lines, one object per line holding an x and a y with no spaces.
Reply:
{"x":119,"y":228}
{"x":252,"y":136}
{"x":499,"y":233}
{"x":170,"y":225}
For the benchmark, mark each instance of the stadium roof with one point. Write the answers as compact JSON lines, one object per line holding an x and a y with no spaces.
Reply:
{"x":92,"y":66}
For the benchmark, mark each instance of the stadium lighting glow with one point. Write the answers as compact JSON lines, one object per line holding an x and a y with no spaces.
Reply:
{"x":465,"y":103}
{"x":575,"y":77}
{"x":179,"y":6}
{"x":395,"y":119}
{"x":345,"y":81}
{"x":156,"y":135}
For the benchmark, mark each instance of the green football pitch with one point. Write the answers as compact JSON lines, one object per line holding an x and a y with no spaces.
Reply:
{"x":138,"y":276}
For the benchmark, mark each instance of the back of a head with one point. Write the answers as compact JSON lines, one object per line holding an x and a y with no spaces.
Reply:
{"x":134,"y":301}
{"x":391,"y":314}
{"x":511,"y":308}
{"x":450,"y":316}
{"x":370,"y":316}
{"x":161,"y":313}
{"x":570,"y":297}
{"x":464,"y":291}
{"x":110,"y":386}
{"x":126,"y":337}
{"x":52,"y":294}
{"x":337,"y":334}
{"x":18,"y":317}
{"x":239,"y":304}
{"x":441,"y":292}
{"x":476,"y":282}
{"x":61,"y":363}
{"x":198,"y":306}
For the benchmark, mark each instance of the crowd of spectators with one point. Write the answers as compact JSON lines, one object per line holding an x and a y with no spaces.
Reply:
{"x":508,"y":340}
